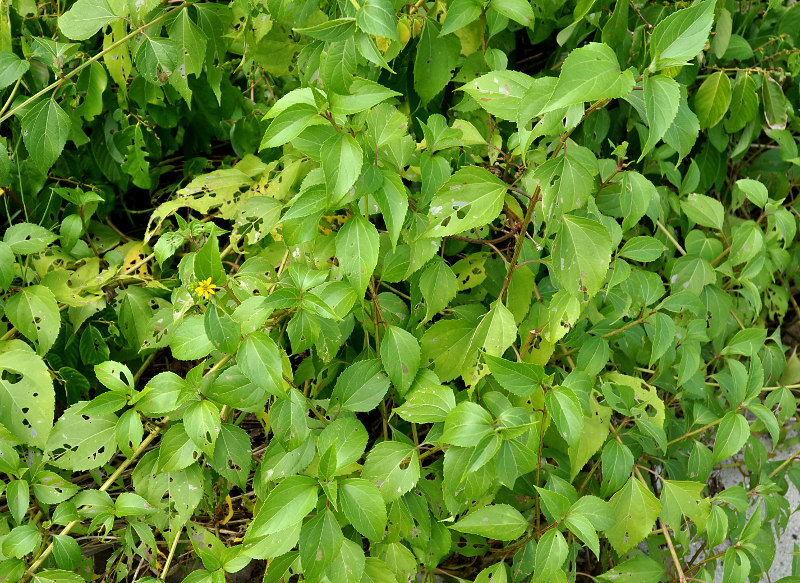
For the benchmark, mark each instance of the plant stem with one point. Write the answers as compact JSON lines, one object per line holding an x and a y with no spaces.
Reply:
{"x":171,"y":554}
{"x":671,"y":238}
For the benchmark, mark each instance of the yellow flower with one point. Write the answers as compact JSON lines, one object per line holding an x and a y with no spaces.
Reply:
{"x":205,"y":288}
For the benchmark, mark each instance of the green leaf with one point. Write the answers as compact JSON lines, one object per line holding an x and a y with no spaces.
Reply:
{"x":400,"y":354}
{"x":703,"y":210}
{"x":472,"y":197}
{"x":338,"y":29}
{"x":460,"y":13}
{"x":568,"y":181}
{"x":377,"y":17}
{"x":712,"y":99}
{"x":208,"y":263}
{"x":683,"y":132}
{"x":681,"y":35}
{"x":191,"y":53}
{"x":11,"y":68}
{"x":774,"y":104}
{"x":18,"y":498}
{"x":519,"y":378}
{"x":635,"y":510}
{"x":582,"y":255}
{"x":644,"y":249}
{"x":320,"y":541}
{"x":748,"y":240}
{"x":33,"y":310}
{"x":500,"y":93}
{"x":392,"y":199}
{"x":661,"y":101}
{"x":681,"y":498}
{"x":497,"y":521}
{"x":85,"y":18}
{"x":21,"y":541}
{"x":347,"y":436}
{"x":637,"y":570}
{"x":363,"y":506}
{"x":589,"y":73}
{"x":551,"y":552}
{"x":341,"y":163}
{"x":57,"y":576}
{"x":565,"y":410}
{"x":364,"y":95}
{"x":732,"y":434}
{"x":767,"y":417}
{"x":520,"y":11}
{"x":744,"y":104}
{"x":581,"y":527}
{"x":746,"y":342}
{"x":393,"y":467}
{"x":260,"y":361}
{"x":357,"y":245}
{"x":223,"y":332}
{"x":27,"y":238}
{"x":176,"y":451}
{"x":189,"y":340}
{"x":288,"y":124}
{"x":202,"y":424}
{"x":156,"y":59}
{"x":428,"y":404}
{"x":439,"y":286}
{"x":467,"y":424}
{"x":754,"y":190}
{"x":81,"y":442}
{"x":661,"y":331}
{"x":50,"y":488}
{"x":287,"y":504}
{"x":45,"y":129}
{"x":435,"y":61}
{"x":232,"y":457}
{"x":361,"y":387}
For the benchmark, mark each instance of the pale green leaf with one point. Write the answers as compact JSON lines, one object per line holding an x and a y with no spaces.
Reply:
{"x":590,"y":73}
{"x":472,"y":197}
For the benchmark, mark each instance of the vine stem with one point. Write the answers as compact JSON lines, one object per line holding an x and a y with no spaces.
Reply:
{"x":86,"y":63}
{"x":172,"y":548}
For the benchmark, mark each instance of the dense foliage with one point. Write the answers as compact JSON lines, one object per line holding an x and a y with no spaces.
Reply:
{"x":353,"y":291}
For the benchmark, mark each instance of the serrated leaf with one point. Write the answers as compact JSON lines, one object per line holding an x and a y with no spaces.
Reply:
{"x":661,"y":101}
{"x":435,"y":61}
{"x":582,"y":255}
{"x":361,"y":386}
{"x":400,"y":354}
{"x":565,"y":410}
{"x":681,"y":35}
{"x":703,"y":210}
{"x":498,"y":522}
{"x":33,"y":310}
{"x":439,"y":286}
{"x":363,"y":506}
{"x":377,"y":17}
{"x":84,"y":18}
{"x":589,"y":73}
{"x":472,"y":197}
{"x":45,"y":129}
{"x":635,"y":510}
{"x":393,"y":467}
{"x":712,"y":99}
{"x":357,"y":245}
{"x":732,"y":434}
{"x":82,"y":442}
